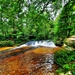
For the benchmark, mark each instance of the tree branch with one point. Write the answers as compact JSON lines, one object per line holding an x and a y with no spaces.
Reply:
{"x":45,"y":6}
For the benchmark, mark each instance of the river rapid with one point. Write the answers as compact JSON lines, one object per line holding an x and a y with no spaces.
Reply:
{"x":27,"y":60}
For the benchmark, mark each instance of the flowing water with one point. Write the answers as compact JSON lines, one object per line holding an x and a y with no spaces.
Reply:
{"x":26,"y":60}
{"x":45,"y":43}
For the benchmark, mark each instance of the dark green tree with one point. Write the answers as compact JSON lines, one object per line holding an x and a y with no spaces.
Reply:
{"x":65,"y":26}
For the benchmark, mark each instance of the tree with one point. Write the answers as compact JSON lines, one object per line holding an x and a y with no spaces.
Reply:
{"x":66,"y":21}
{"x":28,"y":18}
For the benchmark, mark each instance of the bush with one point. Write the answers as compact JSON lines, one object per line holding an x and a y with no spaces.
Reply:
{"x":2,"y":37}
{"x":6,"y":43}
{"x":65,"y":59}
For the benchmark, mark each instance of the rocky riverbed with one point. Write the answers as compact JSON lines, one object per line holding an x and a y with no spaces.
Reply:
{"x":28,"y":61}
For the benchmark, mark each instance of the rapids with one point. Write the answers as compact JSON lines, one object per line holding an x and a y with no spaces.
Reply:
{"x":46,"y":43}
{"x":32,"y":58}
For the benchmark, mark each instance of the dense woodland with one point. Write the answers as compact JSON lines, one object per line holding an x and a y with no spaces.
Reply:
{"x":24,"y":20}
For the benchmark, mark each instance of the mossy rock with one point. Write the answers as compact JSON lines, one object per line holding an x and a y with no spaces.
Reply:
{"x":68,"y":73}
{"x":70,"y":41}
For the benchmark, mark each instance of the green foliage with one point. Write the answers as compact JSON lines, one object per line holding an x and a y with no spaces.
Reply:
{"x":2,"y":37}
{"x":23,"y":20}
{"x":6,"y":43}
{"x":37,"y":24}
{"x":65,"y":21}
{"x":65,"y":59}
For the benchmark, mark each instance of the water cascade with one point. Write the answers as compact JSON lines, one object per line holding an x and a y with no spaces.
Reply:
{"x":46,"y":43}
{"x":31,"y":58}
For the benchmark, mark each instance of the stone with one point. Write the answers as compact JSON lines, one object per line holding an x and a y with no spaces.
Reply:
{"x":70,"y":41}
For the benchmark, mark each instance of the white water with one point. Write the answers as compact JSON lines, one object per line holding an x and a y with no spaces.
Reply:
{"x":39,"y":43}
{"x":46,"y":43}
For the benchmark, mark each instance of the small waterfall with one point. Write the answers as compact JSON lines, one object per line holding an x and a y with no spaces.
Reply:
{"x":46,"y":43}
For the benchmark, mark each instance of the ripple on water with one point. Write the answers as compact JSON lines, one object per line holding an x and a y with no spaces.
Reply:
{"x":33,"y":62}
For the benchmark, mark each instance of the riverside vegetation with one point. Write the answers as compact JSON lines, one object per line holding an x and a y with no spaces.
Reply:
{"x":22,"y":21}
{"x":65,"y":59}
{"x":25,"y":20}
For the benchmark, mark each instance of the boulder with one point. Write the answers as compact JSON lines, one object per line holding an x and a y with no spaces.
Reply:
{"x":70,"y":41}
{"x":68,"y":73}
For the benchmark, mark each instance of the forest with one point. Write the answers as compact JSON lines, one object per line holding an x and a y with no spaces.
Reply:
{"x":21,"y":21}
{"x":28,"y":20}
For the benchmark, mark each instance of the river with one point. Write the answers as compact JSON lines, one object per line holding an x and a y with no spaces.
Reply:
{"x":26,"y":60}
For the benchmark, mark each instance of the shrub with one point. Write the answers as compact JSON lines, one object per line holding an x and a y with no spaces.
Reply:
{"x":65,"y":59}
{"x":6,"y":43}
{"x":2,"y":37}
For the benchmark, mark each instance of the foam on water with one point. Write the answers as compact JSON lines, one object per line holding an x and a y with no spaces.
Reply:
{"x":39,"y":43}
